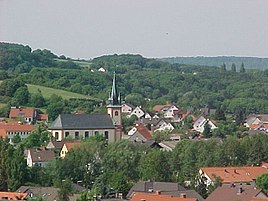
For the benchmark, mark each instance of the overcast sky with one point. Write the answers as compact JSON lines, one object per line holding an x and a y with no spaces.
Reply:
{"x":152,"y":28}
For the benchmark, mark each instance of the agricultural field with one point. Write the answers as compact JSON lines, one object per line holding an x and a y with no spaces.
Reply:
{"x":47,"y":92}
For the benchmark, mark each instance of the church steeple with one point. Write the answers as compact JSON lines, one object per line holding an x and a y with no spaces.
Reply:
{"x":114,"y":110}
{"x":114,"y":98}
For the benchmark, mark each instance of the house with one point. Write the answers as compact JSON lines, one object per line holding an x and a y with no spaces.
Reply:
{"x":235,"y":192}
{"x":39,"y":157}
{"x":257,"y":128}
{"x":162,"y":124}
{"x":9,"y":130}
{"x":13,"y":196}
{"x":101,"y":69}
{"x":169,"y":111}
{"x":138,"y":112}
{"x":254,"y":119}
{"x":245,"y":174}
{"x":148,"y":115}
{"x":168,"y":145}
{"x":57,"y":145}
{"x":127,"y":108}
{"x":164,"y":188}
{"x":158,"y":197}
{"x":199,"y":124}
{"x":162,"y":108}
{"x":28,"y":115}
{"x":67,"y":147}
{"x":165,"y":127}
{"x":81,"y":126}
{"x":47,"y":193}
{"x":139,"y":133}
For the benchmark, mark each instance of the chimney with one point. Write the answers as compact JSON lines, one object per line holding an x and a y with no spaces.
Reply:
{"x":240,"y":190}
{"x":158,"y":192}
{"x":143,"y":199}
{"x":182,"y":195}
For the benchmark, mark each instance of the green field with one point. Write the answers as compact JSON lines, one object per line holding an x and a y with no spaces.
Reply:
{"x":47,"y":92}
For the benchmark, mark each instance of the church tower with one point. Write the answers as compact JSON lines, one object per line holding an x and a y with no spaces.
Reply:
{"x":114,"y":109}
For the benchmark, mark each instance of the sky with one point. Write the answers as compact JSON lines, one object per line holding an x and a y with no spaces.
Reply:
{"x":153,"y":28}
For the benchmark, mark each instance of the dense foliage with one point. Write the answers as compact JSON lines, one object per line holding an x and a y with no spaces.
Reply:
{"x":249,"y":62}
{"x":140,"y":81}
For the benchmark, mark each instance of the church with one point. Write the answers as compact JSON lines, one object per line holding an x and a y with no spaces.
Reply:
{"x":82,"y":126}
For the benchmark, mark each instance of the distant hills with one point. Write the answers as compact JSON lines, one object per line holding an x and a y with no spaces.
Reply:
{"x":249,"y":62}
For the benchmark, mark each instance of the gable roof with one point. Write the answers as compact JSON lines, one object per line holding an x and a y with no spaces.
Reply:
{"x":56,"y":144}
{"x":41,"y":155}
{"x":158,"y":108}
{"x":82,"y":121}
{"x":144,"y":131}
{"x":49,"y":193}
{"x":21,"y":112}
{"x":234,"y":193}
{"x":70,"y":145}
{"x":234,"y":174}
{"x":158,"y":197}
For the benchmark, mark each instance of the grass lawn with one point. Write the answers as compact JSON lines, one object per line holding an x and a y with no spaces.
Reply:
{"x":47,"y":92}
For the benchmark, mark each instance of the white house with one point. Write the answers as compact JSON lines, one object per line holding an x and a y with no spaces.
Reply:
{"x":165,"y":127}
{"x":138,"y":112}
{"x":200,"y":123}
{"x":127,"y":108}
{"x":39,"y":157}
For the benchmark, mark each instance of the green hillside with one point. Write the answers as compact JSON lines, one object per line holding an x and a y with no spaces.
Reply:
{"x":47,"y":92}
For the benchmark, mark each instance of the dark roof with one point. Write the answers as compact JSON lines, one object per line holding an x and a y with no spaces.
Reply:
{"x":39,"y":155}
{"x":49,"y":193}
{"x":55,"y":144}
{"x":82,"y":121}
{"x":232,"y":193}
{"x":150,"y":186}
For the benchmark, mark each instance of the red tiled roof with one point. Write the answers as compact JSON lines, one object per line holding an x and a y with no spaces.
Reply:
{"x":235,"y":174}
{"x":138,"y":196}
{"x":14,"y":127}
{"x":70,"y":145}
{"x":144,"y":131}
{"x":158,"y":108}
{"x":21,"y":112}
{"x":13,"y":196}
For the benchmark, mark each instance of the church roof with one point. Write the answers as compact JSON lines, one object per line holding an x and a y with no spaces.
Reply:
{"x":114,"y":98}
{"x":82,"y":121}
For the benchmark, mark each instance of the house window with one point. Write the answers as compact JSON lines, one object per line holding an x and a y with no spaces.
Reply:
{"x":67,"y":134}
{"x":56,"y":135}
{"x":106,"y":135}
{"x":116,"y":113}
{"x":86,"y":134}
{"x":96,"y":132}
{"x":76,"y":135}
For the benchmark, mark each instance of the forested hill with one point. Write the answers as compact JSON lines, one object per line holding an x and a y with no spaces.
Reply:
{"x":141,"y":81}
{"x":249,"y":62}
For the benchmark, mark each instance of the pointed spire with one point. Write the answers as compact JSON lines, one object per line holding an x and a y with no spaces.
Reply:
{"x":114,"y":98}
